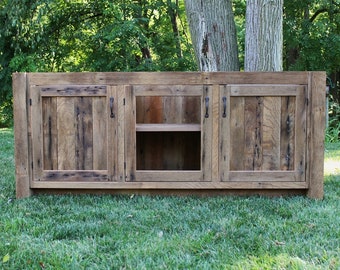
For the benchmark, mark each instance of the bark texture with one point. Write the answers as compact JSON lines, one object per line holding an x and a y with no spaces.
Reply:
{"x":213,"y":34}
{"x":263,"y":44}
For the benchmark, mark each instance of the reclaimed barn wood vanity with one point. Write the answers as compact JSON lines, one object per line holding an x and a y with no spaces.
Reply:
{"x":170,"y":133}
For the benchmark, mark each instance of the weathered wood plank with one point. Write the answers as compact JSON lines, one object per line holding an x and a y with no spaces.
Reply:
{"x":50,"y":133}
{"x":301,"y":133}
{"x":83,"y":133}
{"x":100,"y":134}
{"x":21,"y":146}
{"x":275,"y":90}
{"x":271,"y":133}
{"x":130,"y":134}
{"x":167,"y":127}
{"x":161,"y":89}
{"x":316,"y":128}
{"x":167,"y":78}
{"x":231,"y":118}
{"x":288,"y":126}
{"x":216,"y":115}
{"x":75,"y":176}
{"x":169,"y":176}
{"x":73,"y":90}
{"x":119,"y":140}
{"x":37,"y":133}
{"x":66,"y":133}
{"x":206,"y":134}
{"x":176,"y":185}
{"x":263,"y":176}
{"x":237,"y":133}
{"x":253,"y":125}
{"x":191,"y":110}
{"x":113,"y":104}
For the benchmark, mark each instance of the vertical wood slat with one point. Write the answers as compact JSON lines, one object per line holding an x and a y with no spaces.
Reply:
{"x":21,"y":146}
{"x":288,"y":126}
{"x":206,"y":134}
{"x":66,"y":133}
{"x":36,"y":126}
{"x":114,"y":173}
{"x":300,"y":133}
{"x":50,"y":133}
{"x":237,"y":133}
{"x":216,"y":114}
{"x":130,"y":134}
{"x":227,"y":125}
{"x":253,"y":125}
{"x":316,"y":127}
{"x":83,"y":122}
{"x":100,"y":133}
{"x":271,"y":133}
{"x":119,"y":140}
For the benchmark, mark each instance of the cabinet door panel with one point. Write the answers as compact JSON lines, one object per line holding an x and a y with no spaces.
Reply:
{"x":264,"y":132}
{"x":70,"y":133}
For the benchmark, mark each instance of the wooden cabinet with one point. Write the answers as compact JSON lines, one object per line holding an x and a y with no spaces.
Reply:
{"x":181,"y":132}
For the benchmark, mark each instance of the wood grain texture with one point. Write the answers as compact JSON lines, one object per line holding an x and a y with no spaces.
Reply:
{"x":66,"y":133}
{"x":50,"y":133}
{"x":271,"y":133}
{"x":100,"y":133}
{"x":316,"y":134}
{"x":287,"y":135}
{"x":271,"y":138}
{"x":22,"y":151}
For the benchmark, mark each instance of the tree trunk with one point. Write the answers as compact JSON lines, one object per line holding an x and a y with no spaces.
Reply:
{"x":264,"y":42}
{"x":213,"y":34}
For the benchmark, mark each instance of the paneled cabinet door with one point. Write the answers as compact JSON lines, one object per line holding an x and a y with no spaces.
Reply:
{"x":263,"y":133}
{"x":73,"y":133}
{"x":168,"y":133}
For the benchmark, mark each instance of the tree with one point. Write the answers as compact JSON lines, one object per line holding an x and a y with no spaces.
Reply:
{"x":213,"y":34}
{"x":264,"y":41}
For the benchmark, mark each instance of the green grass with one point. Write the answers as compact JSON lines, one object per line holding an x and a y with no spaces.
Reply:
{"x":141,"y":232}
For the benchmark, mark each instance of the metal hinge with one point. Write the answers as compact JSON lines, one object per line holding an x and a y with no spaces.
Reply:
{"x":124,"y":165}
{"x":124,"y":101}
{"x":32,"y":165}
{"x":30,"y":102}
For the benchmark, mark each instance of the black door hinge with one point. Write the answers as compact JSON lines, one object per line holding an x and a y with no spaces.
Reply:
{"x":30,"y":102}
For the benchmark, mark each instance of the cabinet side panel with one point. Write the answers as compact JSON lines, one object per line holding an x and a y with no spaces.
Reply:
{"x":21,"y":135}
{"x":317,"y":134}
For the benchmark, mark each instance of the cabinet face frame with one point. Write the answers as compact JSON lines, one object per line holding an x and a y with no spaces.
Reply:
{"x":27,"y":157}
{"x":166,"y":92}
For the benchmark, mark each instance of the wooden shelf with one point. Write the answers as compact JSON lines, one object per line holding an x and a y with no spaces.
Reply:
{"x":167,"y":127}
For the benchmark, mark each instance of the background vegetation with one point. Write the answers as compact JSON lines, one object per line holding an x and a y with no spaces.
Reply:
{"x":145,"y":35}
{"x":136,"y":232}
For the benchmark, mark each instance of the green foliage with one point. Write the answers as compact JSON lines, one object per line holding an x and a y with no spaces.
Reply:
{"x":139,"y":232}
{"x":144,"y":35}
{"x":94,"y":35}
{"x":333,"y":128}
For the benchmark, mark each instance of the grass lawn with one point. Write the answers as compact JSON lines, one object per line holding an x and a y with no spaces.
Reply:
{"x":140,"y":232}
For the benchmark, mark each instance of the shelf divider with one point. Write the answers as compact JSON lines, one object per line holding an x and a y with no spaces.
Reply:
{"x":167,"y":127}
